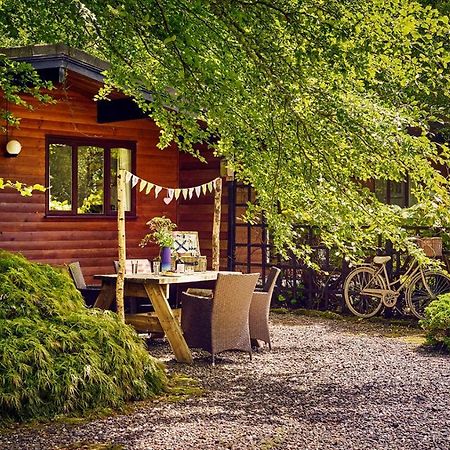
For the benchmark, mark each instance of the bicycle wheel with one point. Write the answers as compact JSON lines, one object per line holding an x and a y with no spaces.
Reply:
{"x":418,"y":296}
{"x":363,"y":305}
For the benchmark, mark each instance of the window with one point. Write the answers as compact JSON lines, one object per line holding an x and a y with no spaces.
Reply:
{"x":81,"y":175}
{"x":394,"y":192}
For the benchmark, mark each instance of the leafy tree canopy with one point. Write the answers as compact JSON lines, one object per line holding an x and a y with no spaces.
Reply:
{"x":306,"y":99}
{"x":16,"y":79}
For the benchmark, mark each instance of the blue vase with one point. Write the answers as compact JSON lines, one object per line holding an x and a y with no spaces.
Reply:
{"x":166,"y":263}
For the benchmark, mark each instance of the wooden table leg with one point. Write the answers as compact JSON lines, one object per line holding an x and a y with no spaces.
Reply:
{"x":106,"y":296}
{"x":168,"y":322}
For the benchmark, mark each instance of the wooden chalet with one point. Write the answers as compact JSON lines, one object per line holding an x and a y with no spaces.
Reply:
{"x":71,"y":143}
{"x":59,"y":139}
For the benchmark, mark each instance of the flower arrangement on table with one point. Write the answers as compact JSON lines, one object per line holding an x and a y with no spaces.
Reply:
{"x":161,"y":229}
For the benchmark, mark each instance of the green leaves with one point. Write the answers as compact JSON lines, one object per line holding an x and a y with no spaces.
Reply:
{"x":23,"y":189}
{"x":306,"y":99}
{"x":57,"y":356}
{"x":169,"y":39}
{"x":437,"y":322}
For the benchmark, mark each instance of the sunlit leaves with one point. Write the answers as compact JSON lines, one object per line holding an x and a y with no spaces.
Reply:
{"x":304,"y":98}
{"x":24,"y":189}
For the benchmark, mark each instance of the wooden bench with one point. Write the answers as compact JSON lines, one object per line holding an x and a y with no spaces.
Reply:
{"x":149,"y":322}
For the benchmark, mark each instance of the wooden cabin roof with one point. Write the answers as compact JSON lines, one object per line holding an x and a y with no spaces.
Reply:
{"x":78,"y":71}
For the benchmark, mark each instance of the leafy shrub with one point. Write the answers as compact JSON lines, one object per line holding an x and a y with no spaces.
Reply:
{"x":59,"y":357}
{"x":437,"y":321}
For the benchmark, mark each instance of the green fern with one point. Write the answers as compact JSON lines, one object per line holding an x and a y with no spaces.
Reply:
{"x":59,"y":357}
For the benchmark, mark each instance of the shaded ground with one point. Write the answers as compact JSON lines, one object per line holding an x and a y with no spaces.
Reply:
{"x":327,"y":384}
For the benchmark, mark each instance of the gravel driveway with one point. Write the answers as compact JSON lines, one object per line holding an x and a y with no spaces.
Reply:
{"x":325,"y":385}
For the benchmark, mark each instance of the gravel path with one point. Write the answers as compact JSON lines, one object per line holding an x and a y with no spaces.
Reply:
{"x":321,"y":387}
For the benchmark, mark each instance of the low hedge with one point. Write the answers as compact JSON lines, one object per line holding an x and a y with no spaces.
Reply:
{"x":437,"y":322}
{"x":59,"y":357}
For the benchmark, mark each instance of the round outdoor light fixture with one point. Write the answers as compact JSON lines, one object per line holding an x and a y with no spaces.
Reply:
{"x":13,"y":147}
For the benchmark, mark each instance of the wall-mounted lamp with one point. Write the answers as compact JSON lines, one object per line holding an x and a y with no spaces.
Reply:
{"x":13,"y":147}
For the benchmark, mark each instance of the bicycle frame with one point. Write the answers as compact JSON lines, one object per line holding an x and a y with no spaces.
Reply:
{"x":380,"y":270}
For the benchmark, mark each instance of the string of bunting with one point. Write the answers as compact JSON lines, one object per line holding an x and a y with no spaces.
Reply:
{"x":171,"y":193}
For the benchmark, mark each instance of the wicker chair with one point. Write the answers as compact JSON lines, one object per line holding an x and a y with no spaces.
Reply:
{"x":220,"y":323}
{"x":259,"y":309}
{"x":89,"y":293}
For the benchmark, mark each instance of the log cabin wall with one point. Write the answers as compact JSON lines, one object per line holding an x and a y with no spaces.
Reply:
{"x":196,"y":214}
{"x":24,"y":226}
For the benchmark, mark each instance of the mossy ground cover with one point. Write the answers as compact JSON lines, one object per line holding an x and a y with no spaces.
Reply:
{"x":58,"y":357}
{"x":407,"y":330}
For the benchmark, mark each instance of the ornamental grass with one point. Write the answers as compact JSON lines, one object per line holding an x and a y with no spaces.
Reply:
{"x":59,"y":357}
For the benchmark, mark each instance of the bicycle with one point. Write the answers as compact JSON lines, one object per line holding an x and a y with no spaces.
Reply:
{"x":368,"y":287}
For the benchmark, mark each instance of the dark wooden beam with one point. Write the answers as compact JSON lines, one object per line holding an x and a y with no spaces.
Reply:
{"x":55,"y":74}
{"x":117,"y":110}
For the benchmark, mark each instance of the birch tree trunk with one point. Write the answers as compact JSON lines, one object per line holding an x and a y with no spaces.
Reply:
{"x":216,"y":224}
{"x":121,"y":238}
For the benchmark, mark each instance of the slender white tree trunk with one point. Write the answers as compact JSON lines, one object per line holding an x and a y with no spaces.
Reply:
{"x":216,"y":224}
{"x":121,"y":238}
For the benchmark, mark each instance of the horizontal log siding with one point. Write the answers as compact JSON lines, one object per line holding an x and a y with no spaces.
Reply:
{"x":197,"y":214}
{"x":92,"y":241}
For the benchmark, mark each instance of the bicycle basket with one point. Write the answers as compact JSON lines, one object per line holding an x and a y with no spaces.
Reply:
{"x":432,"y":246}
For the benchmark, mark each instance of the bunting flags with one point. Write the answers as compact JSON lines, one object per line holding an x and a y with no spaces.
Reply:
{"x":142,"y":185}
{"x":171,"y":193}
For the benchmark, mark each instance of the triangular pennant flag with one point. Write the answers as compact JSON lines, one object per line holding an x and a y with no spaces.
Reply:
{"x":157,"y":190}
{"x":210,"y":186}
{"x":191,"y":192}
{"x":128,"y":176}
{"x":198,"y":190}
{"x":204,"y":189}
{"x":185,"y":193}
{"x":177,"y":193}
{"x":170,"y":192}
{"x":134,"y":180}
{"x":142,"y":185}
{"x":149,"y":188}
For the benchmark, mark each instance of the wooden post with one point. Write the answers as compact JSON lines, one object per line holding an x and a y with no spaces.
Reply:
{"x":121,"y":239}
{"x":216,"y":224}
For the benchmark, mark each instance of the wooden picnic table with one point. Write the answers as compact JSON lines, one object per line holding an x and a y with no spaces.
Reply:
{"x":155,"y":288}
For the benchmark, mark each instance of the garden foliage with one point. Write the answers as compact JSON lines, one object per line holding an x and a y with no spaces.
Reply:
{"x":307,"y":100}
{"x":59,"y":357}
{"x":437,"y":322}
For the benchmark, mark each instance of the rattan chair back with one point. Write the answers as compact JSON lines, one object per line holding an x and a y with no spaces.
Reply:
{"x":230,"y":310}
{"x":260,"y":308}
{"x":77,"y":275}
{"x":220,"y":323}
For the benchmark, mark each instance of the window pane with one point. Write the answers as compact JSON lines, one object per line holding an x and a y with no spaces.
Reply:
{"x":398,"y":193}
{"x":381,"y":190}
{"x":90,"y":180}
{"x":125,"y":155}
{"x":60,"y":177}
